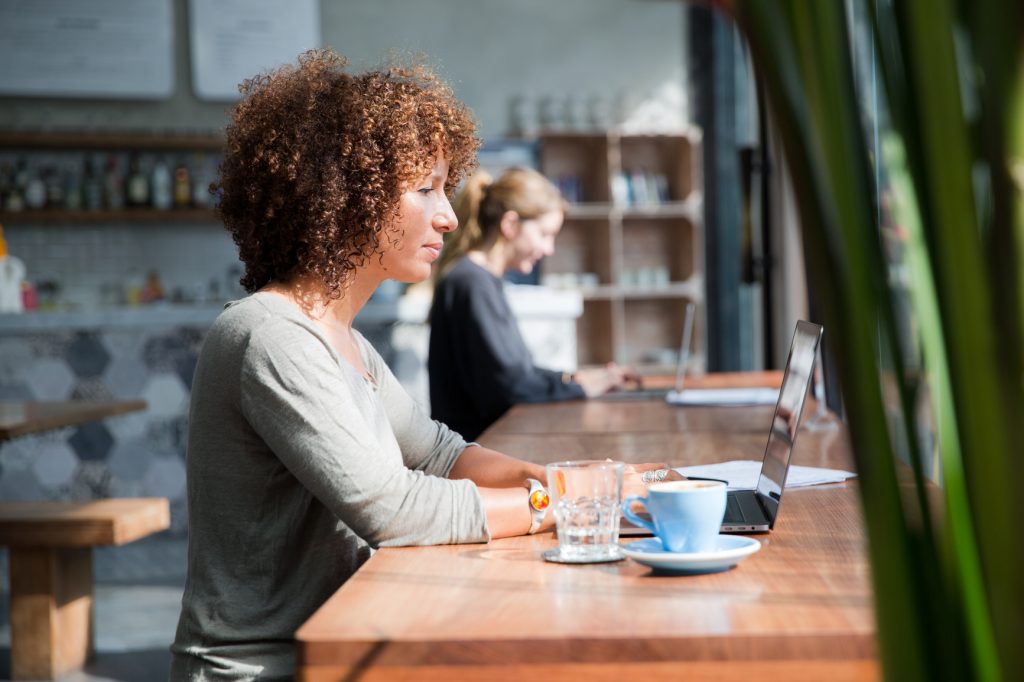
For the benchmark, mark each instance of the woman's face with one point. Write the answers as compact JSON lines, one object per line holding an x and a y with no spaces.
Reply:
{"x":534,"y":239}
{"x":413,"y":241}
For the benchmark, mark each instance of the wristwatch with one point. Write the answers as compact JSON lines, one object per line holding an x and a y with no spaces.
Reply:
{"x":539,"y":503}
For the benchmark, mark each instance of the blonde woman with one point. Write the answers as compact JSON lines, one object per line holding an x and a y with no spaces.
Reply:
{"x":479,"y":365}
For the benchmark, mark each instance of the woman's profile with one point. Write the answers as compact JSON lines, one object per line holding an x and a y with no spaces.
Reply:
{"x":305,"y":454}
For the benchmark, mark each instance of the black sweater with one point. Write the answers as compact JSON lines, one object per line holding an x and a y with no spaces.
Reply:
{"x":478,"y":364}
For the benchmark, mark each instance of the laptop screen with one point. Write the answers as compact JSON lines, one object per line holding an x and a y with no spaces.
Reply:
{"x":788,"y":410}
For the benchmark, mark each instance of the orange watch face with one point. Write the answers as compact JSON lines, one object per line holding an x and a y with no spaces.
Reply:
{"x":539,"y":500}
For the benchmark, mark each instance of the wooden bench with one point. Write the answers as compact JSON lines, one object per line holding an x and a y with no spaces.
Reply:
{"x":51,"y":574}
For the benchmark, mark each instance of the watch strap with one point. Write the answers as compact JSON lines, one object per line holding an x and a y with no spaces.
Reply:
{"x":539,"y":502}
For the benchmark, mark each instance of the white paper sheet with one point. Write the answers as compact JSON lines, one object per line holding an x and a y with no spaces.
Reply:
{"x":742,"y":474}
{"x":723,"y":396}
{"x":235,"y":39}
{"x":121,"y":49}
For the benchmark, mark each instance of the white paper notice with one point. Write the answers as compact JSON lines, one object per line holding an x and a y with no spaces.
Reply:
{"x":99,"y":48}
{"x":236,"y":39}
{"x":723,"y":396}
{"x":742,"y":474}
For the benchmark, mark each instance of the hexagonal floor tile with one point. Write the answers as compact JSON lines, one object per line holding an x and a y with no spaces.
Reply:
{"x":91,"y":441}
{"x":125,"y":376}
{"x":90,"y":482}
{"x":87,"y":355}
{"x":165,"y":478}
{"x":91,"y":389}
{"x":130,"y":459}
{"x":186,"y":367}
{"x":15,"y":357}
{"x":128,"y":426}
{"x":50,"y":344}
{"x":18,"y":391}
{"x":50,"y":379}
{"x":168,"y":435}
{"x":165,"y":395}
{"x":20,"y":486}
{"x":55,"y":465}
{"x":161,"y":352}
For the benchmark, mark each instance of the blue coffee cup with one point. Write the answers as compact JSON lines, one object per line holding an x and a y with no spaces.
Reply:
{"x":687,"y":515}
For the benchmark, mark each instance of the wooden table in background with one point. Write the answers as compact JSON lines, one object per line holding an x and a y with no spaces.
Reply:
{"x":22,"y":418}
{"x":636,"y":416}
{"x":799,"y":609}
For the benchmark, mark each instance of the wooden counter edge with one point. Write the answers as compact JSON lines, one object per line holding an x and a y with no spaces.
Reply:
{"x":317,"y":652}
{"x":857,"y":670}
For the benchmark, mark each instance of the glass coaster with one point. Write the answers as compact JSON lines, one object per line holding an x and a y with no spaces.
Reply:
{"x":554,"y":555}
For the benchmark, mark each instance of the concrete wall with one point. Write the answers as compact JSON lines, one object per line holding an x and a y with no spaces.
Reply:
{"x":491,"y":50}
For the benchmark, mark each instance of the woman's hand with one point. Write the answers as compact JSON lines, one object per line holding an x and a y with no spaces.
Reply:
{"x":597,"y":381}
{"x":633,"y":482}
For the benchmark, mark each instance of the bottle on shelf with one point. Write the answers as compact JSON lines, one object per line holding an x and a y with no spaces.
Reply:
{"x":54,"y":187}
{"x":13,"y":198}
{"x":134,"y":283}
{"x":137,"y":184}
{"x":162,"y":197}
{"x":113,"y":185}
{"x":153,"y":290}
{"x":92,"y":187}
{"x":12,"y":273}
{"x":35,"y":191}
{"x":72,"y":179}
{"x":6,"y":182}
{"x":182,"y":186}
{"x":201,"y":181}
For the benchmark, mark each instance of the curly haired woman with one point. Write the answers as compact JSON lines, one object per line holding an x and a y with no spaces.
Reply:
{"x":304,"y":451}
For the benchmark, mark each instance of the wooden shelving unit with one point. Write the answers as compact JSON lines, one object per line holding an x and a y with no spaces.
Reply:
{"x":115,"y":142}
{"x":142,"y":216}
{"x":648,"y":256}
{"x":70,"y":140}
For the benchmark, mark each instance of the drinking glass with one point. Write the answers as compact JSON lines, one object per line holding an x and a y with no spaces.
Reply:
{"x":586,"y":497}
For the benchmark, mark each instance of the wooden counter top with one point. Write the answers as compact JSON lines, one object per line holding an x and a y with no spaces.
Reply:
{"x":799,"y":609}
{"x":25,"y":417}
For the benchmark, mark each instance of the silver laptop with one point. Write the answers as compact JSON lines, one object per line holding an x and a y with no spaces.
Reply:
{"x":683,"y":358}
{"x":755,"y":511}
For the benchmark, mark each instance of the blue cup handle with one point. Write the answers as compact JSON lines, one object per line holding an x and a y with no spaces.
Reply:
{"x":633,"y":518}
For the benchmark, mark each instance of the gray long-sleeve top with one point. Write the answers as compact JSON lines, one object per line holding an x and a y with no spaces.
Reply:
{"x":297,"y":467}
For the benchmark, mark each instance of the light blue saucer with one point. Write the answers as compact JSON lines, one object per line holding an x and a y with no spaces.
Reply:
{"x":729,"y":550}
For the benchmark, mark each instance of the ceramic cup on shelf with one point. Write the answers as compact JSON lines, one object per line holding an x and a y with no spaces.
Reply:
{"x":686,"y":515}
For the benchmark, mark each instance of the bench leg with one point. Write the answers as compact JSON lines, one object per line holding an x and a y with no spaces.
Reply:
{"x":51,"y":611}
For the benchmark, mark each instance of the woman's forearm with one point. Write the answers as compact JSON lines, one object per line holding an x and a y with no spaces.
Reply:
{"x":508,"y":512}
{"x":492,"y":469}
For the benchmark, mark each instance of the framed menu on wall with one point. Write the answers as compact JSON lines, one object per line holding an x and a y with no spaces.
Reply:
{"x":235,"y":39}
{"x":120,"y":49}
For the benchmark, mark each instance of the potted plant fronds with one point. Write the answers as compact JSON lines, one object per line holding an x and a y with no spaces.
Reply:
{"x":947,"y":168}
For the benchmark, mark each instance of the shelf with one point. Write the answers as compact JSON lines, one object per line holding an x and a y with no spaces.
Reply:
{"x":691,"y":208}
{"x":588,"y":211}
{"x":693,"y":291}
{"x":648,"y":259}
{"x":74,"y":140}
{"x":128,"y":215}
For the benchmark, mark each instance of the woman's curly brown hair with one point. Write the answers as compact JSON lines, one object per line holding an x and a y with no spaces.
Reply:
{"x":316,"y":160}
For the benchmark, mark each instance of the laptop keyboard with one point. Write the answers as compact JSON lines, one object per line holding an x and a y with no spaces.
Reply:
{"x":733,"y":510}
